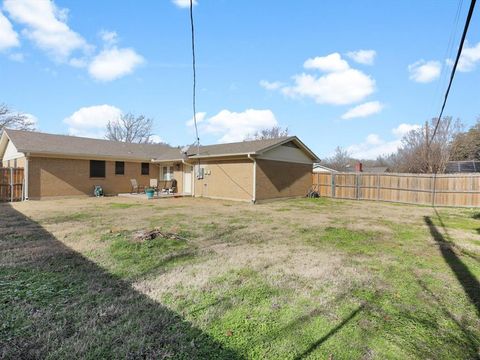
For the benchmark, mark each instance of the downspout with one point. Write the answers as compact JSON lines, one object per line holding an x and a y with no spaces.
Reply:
{"x":26,"y":177}
{"x":254,"y":196}
{"x":193,"y":175}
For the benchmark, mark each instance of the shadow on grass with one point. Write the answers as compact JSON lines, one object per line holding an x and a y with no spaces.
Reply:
{"x":471,"y":340}
{"x":56,"y":303}
{"x":332,"y":332}
{"x":469,"y":282}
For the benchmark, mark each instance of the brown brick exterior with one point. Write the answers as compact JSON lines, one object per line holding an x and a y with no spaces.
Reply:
{"x":229,"y":179}
{"x":224,"y":179}
{"x":71,"y":177}
{"x":278,"y":179}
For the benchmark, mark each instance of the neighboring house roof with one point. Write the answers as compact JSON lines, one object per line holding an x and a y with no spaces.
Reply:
{"x":253,"y":147}
{"x":321,"y":168}
{"x":50,"y":144}
{"x":375,"y":169}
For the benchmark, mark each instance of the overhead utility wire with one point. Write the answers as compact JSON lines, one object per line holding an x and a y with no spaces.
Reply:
{"x":194,"y":78}
{"x":442,"y":84}
{"x":462,"y":41}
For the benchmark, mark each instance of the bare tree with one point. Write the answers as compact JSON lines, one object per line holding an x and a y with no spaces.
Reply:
{"x":420,"y":154}
{"x":14,"y":120}
{"x":274,"y":132}
{"x":466,"y":145}
{"x":340,"y":160}
{"x":130,"y":129}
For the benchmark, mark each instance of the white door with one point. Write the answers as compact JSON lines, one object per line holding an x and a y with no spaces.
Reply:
{"x":187,"y":180}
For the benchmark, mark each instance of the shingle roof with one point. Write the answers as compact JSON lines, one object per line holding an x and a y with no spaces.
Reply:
{"x":65,"y":145}
{"x":243,"y":147}
{"x":42,"y":143}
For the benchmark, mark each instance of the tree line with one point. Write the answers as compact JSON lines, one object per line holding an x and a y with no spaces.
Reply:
{"x":419,"y":153}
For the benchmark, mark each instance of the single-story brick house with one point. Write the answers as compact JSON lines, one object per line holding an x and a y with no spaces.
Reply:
{"x":60,"y":165}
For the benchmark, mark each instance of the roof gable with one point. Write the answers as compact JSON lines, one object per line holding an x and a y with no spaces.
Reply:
{"x":253,"y":147}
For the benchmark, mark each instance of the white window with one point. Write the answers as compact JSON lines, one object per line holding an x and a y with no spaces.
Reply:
{"x":167,"y":173}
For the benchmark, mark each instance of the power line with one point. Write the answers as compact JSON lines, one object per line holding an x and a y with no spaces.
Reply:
{"x":194,"y":78}
{"x":460,"y":48}
{"x":442,"y":83}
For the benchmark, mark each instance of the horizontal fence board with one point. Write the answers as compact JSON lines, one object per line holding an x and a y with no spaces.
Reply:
{"x":424,"y":189}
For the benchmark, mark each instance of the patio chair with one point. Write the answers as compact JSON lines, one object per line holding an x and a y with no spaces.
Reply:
{"x":166,"y":186}
{"x":170,"y":187}
{"x":135,"y":187}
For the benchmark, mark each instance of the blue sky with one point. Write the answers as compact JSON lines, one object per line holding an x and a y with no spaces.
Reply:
{"x":358,"y":74}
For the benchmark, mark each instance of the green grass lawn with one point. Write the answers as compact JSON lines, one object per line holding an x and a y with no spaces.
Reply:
{"x":294,"y":279}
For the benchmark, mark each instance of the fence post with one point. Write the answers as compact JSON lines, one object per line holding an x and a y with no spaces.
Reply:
{"x":357,"y":185}
{"x":319,"y":188}
{"x":378,"y":187}
{"x":23,"y":190}
{"x":333,"y":185}
{"x":11,"y":184}
{"x":434,"y":189}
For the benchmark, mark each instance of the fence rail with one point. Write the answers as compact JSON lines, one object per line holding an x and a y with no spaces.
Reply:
{"x":426,"y":189}
{"x":11,"y":184}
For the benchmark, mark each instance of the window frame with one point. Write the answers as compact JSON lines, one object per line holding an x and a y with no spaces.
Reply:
{"x":167,"y":175}
{"x":142,"y":168}
{"x":117,"y":163}
{"x":93,"y":171}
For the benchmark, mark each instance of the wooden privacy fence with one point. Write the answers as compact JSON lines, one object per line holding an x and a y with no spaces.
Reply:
{"x":428,"y":189}
{"x":11,"y":184}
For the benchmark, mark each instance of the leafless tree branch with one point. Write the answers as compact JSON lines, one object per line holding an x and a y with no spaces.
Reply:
{"x":274,"y":132}
{"x":130,"y":129}
{"x":14,"y":120}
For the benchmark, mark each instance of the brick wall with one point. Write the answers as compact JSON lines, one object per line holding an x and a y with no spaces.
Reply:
{"x":277,"y":179}
{"x":226,"y":179}
{"x":71,"y":177}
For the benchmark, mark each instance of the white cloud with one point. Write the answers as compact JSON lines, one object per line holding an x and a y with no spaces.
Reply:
{"x":8,"y":36}
{"x":275,"y":85}
{"x":235,"y":126}
{"x":32,"y":118}
{"x":184,"y":3}
{"x":200,"y":117}
{"x":469,"y":59}
{"x":91,"y":121}
{"x":363,"y":110}
{"x":46,"y":26}
{"x":403,"y":129}
{"x":156,"y":139}
{"x":372,"y":149}
{"x":340,"y":85}
{"x":424,"y":71}
{"x":109,"y":37}
{"x":329,"y":63}
{"x":366,"y":57}
{"x":374,"y":146}
{"x":114,"y":63}
{"x":18,"y":57}
{"x":337,"y":88}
